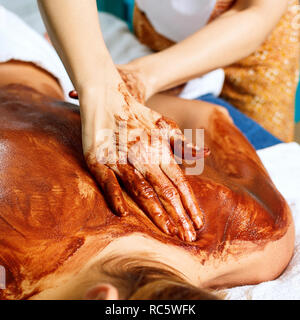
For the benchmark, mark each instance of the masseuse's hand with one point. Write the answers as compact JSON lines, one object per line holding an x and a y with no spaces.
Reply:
{"x":155,"y":182}
{"x":160,"y":189}
{"x":134,"y":82}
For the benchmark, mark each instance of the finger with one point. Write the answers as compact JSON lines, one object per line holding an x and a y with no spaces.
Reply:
{"x":111,"y":188}
{"x":144,"y":195}
{"x":175,"y":174}
{"x":169,"y":198}
{"x":186,"y":150}
{"x":73,"y":94}
{"x":180,"y":146}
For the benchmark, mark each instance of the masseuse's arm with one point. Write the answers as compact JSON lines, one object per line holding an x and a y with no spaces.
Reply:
{"x":229,"y":38}
{"x":160,"y":190}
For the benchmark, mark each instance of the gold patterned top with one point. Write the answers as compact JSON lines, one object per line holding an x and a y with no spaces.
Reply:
{"x":262,"y":85}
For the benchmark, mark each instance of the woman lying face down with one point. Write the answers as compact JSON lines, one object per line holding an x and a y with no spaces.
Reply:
{"x":60,"y":240}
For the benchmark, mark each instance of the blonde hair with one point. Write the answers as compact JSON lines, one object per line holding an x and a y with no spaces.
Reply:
{"x":139,"y":278}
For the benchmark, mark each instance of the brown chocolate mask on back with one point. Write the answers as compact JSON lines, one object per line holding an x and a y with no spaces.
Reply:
{"x":50,"y":205}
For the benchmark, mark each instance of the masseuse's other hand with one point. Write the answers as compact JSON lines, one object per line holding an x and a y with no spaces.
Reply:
{"x":140,"y":85}
{"x":134,"y":82}
{"x":117,"y":144}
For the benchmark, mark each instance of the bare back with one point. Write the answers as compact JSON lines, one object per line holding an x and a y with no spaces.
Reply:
{"x":53,"y":217}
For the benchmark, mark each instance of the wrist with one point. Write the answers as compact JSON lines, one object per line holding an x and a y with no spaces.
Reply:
{"x":99,"y":104}
{"x":145,"y":68}
{"x":96,"y":112}
{"x":99,"y":93}
{"x":96,"y":75}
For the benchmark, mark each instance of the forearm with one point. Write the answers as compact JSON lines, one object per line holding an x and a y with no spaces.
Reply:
{"x":231,"y":37}
{"x":74,"y":29}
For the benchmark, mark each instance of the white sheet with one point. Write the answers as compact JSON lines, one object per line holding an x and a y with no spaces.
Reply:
{"x":177,"y":19}
{"x":23,"y":43}
{"x":20,"y":42}
{"x":282,"y":161}
{"x":283,"y":164}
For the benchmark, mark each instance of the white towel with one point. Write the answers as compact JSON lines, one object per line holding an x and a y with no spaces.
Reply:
{"x":281,"y":161}
{"x":25,"y":42}
{"x":20,"y":42}
{"x":283,"y":164}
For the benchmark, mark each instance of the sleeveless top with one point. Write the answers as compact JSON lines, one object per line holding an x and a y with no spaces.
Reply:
{"x":263,"y":85}
{"x":177,"y":19}
{"x":161,"y":24}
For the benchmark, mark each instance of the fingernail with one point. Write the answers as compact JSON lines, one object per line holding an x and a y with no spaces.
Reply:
{"x":198,"y":222}
{"x":73,"y":94}
{"x":166,"y":228}
{"x":181,"y":234}
{"x":206,"y":152}
{"x":123,"y":211}
{"x":193,"y":146}
{"x":191,"y":236}
{"x":173,"y":229}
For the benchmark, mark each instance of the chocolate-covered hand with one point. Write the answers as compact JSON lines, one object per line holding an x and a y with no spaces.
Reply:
{"x":133,"y":82}
{"x":132,"y":148}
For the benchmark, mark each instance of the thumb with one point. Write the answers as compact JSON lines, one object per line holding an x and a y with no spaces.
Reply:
{"x":73,"y":94}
